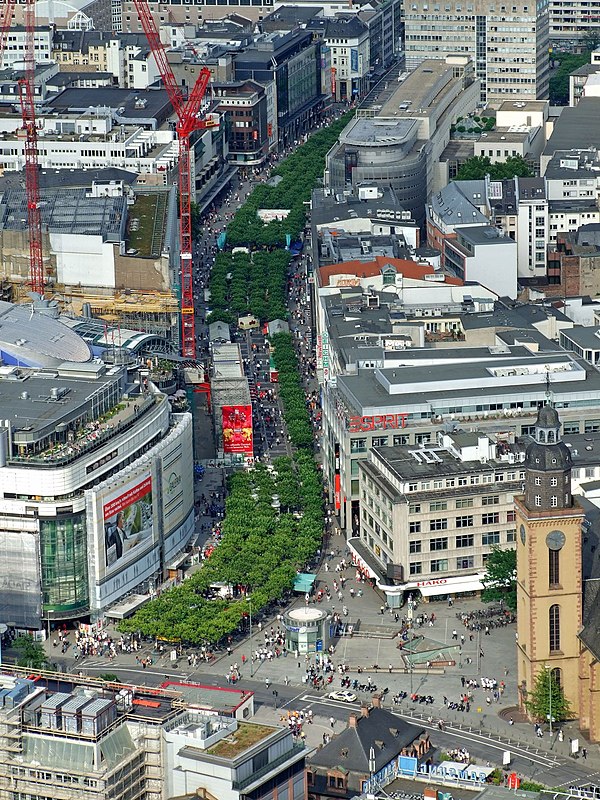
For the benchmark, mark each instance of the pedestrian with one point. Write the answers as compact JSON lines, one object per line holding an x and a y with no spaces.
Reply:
{"x":331,"y":722}
{"x":583,"y":753}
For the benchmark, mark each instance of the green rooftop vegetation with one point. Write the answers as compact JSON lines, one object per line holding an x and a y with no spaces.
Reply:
{"x":246,"y":735}
{"x":146,"y":224}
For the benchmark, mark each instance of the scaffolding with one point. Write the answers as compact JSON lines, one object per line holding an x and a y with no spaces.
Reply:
{"x":149,"y":312}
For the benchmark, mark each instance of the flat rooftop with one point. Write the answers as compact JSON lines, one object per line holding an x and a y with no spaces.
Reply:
{"x":364,"y":391}
{"x":247,"y":735}
{"x":76,"y":99}
{"x":362,"y":131}
{"x":208,"y":698}
{"x":416,"y":91}
{"x":67,"y":211}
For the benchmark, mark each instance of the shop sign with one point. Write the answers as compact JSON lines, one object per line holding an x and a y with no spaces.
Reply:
{"x":435,"y":582}
{"x":325,"y":354}
{"x":377,"y":422}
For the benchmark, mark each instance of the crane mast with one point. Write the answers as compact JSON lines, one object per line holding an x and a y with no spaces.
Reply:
{"x":26,"y":89}
{"x":188,"y":121}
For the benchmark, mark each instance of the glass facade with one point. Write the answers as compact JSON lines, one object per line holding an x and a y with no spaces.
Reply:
{"x":63,"y":547}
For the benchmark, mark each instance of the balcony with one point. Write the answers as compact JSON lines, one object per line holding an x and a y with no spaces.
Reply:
{"x":90,"y":437}
{"x":291,"y":754}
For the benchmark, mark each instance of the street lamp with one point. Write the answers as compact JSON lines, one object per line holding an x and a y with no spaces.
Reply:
{"x":549,"y":697}
{"x":250,"y":639}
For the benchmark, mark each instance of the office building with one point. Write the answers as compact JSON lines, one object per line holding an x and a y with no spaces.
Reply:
{"x":420,"y":391}
{"x":431,"y":514}
{"x":507,"y":42}
{"x":399,"y":143}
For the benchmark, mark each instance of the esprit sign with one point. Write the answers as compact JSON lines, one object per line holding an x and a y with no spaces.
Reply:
{"x":377,"y":422}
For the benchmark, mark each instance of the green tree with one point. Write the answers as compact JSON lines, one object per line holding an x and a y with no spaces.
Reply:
{"x":559,"y":79}
{"x":29,"y":653}
{"x":591,"y":39}
{"x":477,"y":167}
{"x":500,"y":581}
{"x":547,"y":698}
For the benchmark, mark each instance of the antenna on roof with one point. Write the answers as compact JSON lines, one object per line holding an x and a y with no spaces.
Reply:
{"x":548,"y":391}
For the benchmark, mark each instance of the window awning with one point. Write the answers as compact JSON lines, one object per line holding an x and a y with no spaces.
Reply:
{"x":472,"y":583}
{"x":362,"y":559}
{"x":303,"y":582}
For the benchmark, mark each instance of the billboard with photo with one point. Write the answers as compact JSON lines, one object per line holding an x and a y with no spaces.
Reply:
{"x":128,"y":522}
{"x":237,"y":429}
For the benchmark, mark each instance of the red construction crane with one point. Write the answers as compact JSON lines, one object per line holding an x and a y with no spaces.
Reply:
{"x":188,"y":121}
{"x":26,"y":87}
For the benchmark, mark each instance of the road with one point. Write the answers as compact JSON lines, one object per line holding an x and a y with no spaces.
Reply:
{"x":549,"y":768}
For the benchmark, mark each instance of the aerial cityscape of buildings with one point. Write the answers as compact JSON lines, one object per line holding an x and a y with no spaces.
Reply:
{"x":299,"y":399}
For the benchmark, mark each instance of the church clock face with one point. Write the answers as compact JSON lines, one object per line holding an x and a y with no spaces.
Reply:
{"x":556,"y":540}
{"x":523,"y":534}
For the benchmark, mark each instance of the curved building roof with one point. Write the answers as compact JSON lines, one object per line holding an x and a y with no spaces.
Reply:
{"x":34,"y":339}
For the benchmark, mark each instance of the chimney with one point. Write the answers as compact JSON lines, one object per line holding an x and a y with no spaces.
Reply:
{"x":353,"y":721}
{"x":365,"y":711}
{"x":376,"y":701}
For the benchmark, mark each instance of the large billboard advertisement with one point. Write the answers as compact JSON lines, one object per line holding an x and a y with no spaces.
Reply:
{"x":237,"y":429}
{"x":128,"y":522}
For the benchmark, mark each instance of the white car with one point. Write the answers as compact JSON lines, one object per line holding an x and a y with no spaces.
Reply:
{"x":343,"y":697}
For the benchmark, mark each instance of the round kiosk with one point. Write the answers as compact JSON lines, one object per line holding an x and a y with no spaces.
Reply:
{"x":306,"y":630}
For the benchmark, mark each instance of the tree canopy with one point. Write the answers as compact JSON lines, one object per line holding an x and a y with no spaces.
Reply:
{"x":260,"y":552}
{"x":299,"y":173}
{"x":559,"y":78}
{"x":547,"y":698}
{"x":500,"y":581}
{"x":477,"y":167}
{"x":29,"y":653}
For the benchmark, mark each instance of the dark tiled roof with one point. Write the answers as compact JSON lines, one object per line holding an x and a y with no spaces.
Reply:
{"x":382,"y":730}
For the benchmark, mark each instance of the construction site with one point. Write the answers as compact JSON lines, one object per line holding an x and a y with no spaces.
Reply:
{"x":110,"y":257}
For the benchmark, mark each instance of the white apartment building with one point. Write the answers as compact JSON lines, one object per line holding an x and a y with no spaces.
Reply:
{"x":89,"y":141}
{"x":14,"y":49}
{"x":508,"y":42}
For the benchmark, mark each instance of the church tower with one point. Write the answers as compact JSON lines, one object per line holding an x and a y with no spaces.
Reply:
{"x":549,"y":576}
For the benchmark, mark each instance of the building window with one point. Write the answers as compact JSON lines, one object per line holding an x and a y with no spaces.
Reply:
{"x":464,"y":502}
{"x":554,"y":624}
{"x":490,"y":500}
{"x":414,"y":508}
{"x":492,"y":518}
{"x":441,"y":543}
{"x":438,"y":524}
{"x":554,"y":502}
{"x":439,"y":565}
{"x":414,"y":547}
{"x":414,"y":527}
{"x":400,"y":439}
{"x":465,"y":562}
{"x":537,"y":480}
{"x":438,"y":505}
{"x":511,"y":516}
{"x":490,"y":538}
{"x":358,"y":445}
{"x":511,"y":536}
{"x":415,"y":568}
{"x":380,"y":441}
{"x":464,"y":522}
{"x":538,"y":500}
{"x":466,"y":540}
{"x":554,"y":568}
{"x":553,"y":481}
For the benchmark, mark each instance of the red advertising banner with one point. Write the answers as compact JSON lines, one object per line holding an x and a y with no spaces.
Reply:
{"x":129,"y":497}
{"x":237,"y":429}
